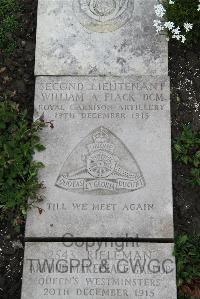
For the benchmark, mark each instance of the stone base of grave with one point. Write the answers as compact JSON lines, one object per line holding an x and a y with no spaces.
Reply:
{"x":108,"y":270}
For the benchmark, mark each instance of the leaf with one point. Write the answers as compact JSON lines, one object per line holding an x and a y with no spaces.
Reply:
{"x":178,"y":148}
{"x":2,"y":125}
{"x":185,"y":159}
{"x":197,"y":154}
{"x":24,"y":212}
{"x":183,"y":239}
{"x":40,"y":147}
{"x":196,"y":162}
{"x":2,"y":70}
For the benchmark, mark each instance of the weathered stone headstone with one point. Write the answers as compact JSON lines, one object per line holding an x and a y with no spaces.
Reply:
{"x":108,"y":161}
{"x":99,"y":270}
{"x":102,"y":81}
{"x":81,"y":37}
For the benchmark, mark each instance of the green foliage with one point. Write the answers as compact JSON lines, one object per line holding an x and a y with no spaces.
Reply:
{"x":184,"y":11}
{"x":188,"y":258}
{"x":8,"y":24}
{"x":187,"y":255}
{"x":186,"y":149}
{"x":18,"y":172}
{"x":183,"y":296}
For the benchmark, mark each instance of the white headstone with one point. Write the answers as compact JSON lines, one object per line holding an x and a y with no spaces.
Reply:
{"x":98,"y":270}
{"x":108,"y":159}
{"x":103,"y":83}
{"x":101,"y":37}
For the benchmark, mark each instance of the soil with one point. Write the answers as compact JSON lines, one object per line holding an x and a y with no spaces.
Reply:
{"x":17,"y":70}
{"x":17,"y":82}
{"x":184,"y":72}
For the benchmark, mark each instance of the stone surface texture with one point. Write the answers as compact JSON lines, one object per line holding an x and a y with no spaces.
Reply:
{"x":107,"y":160}
{"x":102,"y":86}
{"x":99,"y":270}
{"x":103,"y":38}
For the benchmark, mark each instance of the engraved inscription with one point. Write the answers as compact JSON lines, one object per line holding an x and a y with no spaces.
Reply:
{"x":103,"y":15}
{"x":100,"y":270}
{"x":104,"y":99}
{"x":102,"y":165}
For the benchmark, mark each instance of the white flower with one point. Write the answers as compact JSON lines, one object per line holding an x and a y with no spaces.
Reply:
{"x":188,"y":26}
{"x":159,"y":28}
{"x":159,"y":10}
{"x":176,"y":31}
{"x":158,"y":25}
{"x":176,"y":36}
{"x":169,"y":25}
{"x":183,"y":39}
{"x":171,"y":2}
{"x":198,"y":9}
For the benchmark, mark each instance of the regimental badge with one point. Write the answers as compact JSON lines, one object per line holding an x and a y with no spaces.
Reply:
{"x":103,"y":15}
{"x":102,"y":165}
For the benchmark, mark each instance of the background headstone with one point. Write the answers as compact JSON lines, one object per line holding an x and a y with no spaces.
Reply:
{"x":103,"y":38}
